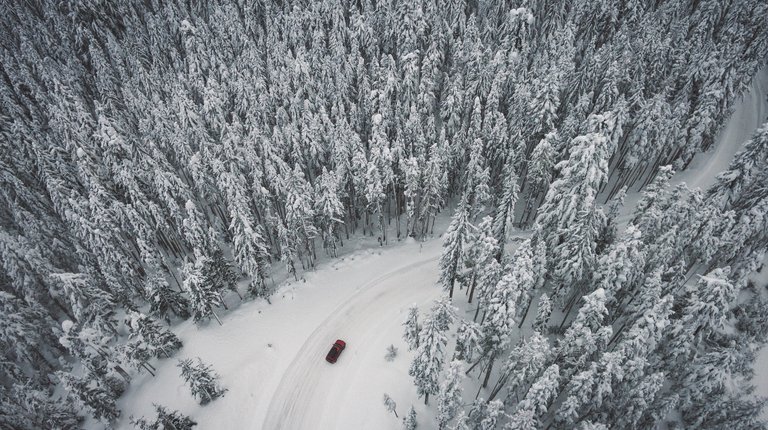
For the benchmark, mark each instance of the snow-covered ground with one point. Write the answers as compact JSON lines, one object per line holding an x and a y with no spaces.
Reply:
{"x":749,"y":113}
{"x":271,"y":357}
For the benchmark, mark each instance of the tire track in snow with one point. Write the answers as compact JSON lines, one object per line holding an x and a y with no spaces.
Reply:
{"x":304,"y":397}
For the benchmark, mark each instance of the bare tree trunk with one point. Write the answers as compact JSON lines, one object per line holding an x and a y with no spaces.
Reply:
{"x":477,"y":312}
{"x":216,"y":316}
{"x":488,"y":372}
{"x":525,"y":313}
{"x":472,"y":289}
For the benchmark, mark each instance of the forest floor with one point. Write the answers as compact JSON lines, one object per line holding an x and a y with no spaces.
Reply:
{"x":271,"y":356}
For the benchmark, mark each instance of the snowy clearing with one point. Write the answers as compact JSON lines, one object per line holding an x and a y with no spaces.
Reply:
{"x":361,"y":298}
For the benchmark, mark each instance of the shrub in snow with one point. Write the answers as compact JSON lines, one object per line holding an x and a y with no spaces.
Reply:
{"x":202,"y":380}
{"x":165,"y":420}
{"x":391,"y":353}
{"x":390,"y":404}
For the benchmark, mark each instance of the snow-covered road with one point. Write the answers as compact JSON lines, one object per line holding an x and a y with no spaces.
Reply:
{"x":749,"y":112}
{"x":318,"y":395}
{"x":271,"y":357}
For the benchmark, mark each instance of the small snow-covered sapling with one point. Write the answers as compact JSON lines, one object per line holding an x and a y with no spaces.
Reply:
{"x":390,"y":404}
{"x":391,"y":353}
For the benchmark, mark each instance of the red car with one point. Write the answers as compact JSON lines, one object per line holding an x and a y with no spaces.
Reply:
{"x":335,"y":351}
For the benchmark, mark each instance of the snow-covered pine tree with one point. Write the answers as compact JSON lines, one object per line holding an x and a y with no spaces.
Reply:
{"x":537,"y":401}
{"x":653,"y":195}
{"x":541,"y":167}
{"x":412,"y":328}
{"x":704,"y":312}
{"x":637,"y":399}
{"x":166,"y":420}
{"x":202,"y":295}
{"x":222,"y":274}
{"x":29,"y":335}
{"x":569,"y":221}
{"x":468,"y":337}
{"x":620,"y":267}
{"x":487,"y":281}
{"x":28,"y":407}
{"x":455,"y":246}
{"x":434,"y":186}
{"x":329,"y":210}
{"x":493,"y":414}
{"x":586,"y":336}
{"x":409,"y":421}
{"x":391,"y":353}
{"x":461,"y":422}
{"x":443,"y":313}
{"x":449,"y":400}
{"x":430,"y":355}
{"x":375,"y":184}
{"x":164,"y":300}
{"x":250,"y":252}
{"x":287,"y":250}
{"x":196,"y":234}
{"x":481,"y":250}
{"x":522,"y":366}
{"x":743,"y":168}
{"x":585,"y":390}
{"x":499,"y":321}
{"x":95,"y":350}
{"x":622,"y":371}
{"x":299,"y":213}
{"x":136,"y":354}
{"x":88,"y":302}
{"x":524,"y":270}
{"x":611,"y":230}
{"x":202,"y":380}
{"x":544,"y":311}
{"x":476,"y":186}
{"x":504,"y":214}
{"x":89,"y":393}
{"x":412,"y":191}
{"x":162,"y":342}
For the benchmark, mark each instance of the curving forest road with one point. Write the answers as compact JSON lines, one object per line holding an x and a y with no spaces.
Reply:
{"x":315,"y":394}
